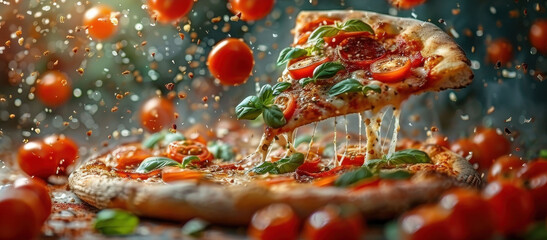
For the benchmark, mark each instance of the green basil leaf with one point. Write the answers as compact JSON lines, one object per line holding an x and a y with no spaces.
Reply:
{"x":172,"y":137}
{"x":265,"y":167}
{"x":397,"y":174}
{"x":280,"y":87}
{"x":543,"y":153}
{"x":323,"y":31}
{"x":375,"y":164}
{"x":221,"y":150}
{"x":536,"y":231}
{"x":195,"y":227}
{"x":372,"y":87}
{"x":356,"y":25}
{"x":266,"y":94}
{"x":115,"y":222}
{"x":153,"y":140}
{"x":302,"y":139}
{"x":290,"y":53}
{"x":305,"y":81}
{"x":249,"y":108}
{"x":153,"y":163}
{"x":290,"y":164}
{"x":327,"y":70}
{"x":273,"y":116}
{"x":352,"y":177}
{"x":408,"y":156}
{"x":189,"y":160}
{"x":345,"y":86}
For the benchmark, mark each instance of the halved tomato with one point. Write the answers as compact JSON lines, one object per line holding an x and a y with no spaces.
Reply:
{"x":311,"y":164}
{"x":287,"y":104}
{"x":361,"y":51}
{"x":129,"y":155}
{"x":353,"y":155}
{"x":304,"y":67}
{"x":171,"y":174}
{"x":178,"y":150}
{"x":390,"y":69}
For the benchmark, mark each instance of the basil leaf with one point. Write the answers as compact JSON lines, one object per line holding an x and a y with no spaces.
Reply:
{"x":221,"y":150}
{"x":375,"y":164}
{"x":266,"y":94}
{"x":195,"y":227}
{"x":172,"y":137}
{"x":356,"y":25}
{"x":189,"y":160}
{"x":543,"y":153}
{"x":305,"y":81}
{"x":352,"y":177}
{"x":302,"y":139}
{"x":397,"y":174}
{"x":265,"y":167}
{"x":153,"y":140}
{"x":280,"y":87}
{"x":291,"y":163}
{"x":153,"y":163}
{"x":273,"y":116}
{"x":115,"y":222}
{"x":408,"y":156}
{"x":372,"y":87}
{"x":327,"y":70}
{"x":323,"y":31}
{"x":536,"y":231}
{"x":290,"y":53}
{"x":249,"y":108}
{"x":345,"y":86}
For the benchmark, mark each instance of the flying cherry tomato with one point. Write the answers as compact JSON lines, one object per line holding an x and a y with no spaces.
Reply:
{"x":500,"y":50}
{"x":100,"y":22}
{"x":405,"y":4}
{"x":538,"y":35}
{"x":231,"y":61}
{"x":170,"y":10}
{"x":252,"y":9}
{"x":53,"y":88}
{"x":157,"y":113}
{"x":276,"y":221}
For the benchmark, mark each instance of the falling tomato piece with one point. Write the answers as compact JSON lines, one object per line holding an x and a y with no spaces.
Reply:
{"x":251,"y":10}
{"x":157,"y":113}
{"x":538,"y":35}
{"x":170,"y":10}
{"x":100,"y":22}
{"x":406,"y":4}
{"x":500,"y":50}
{"x":231,"y":61}
{"x":53,"y":88}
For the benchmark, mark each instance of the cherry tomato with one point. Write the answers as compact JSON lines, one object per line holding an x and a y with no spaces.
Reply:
{"x":170,"y":10}
{"x":470,"y":217}
{"x":252,"y":9}
{"x":505,"y":167}
{"x":367,"y":183}
{"x":222,"y":58}
{"x":157,"y":113}
{"x":98,"y":22}
{"x":512,"y":207}
{"x":334,"y":222}
{"x":39,"y":188}
{"x":352,"y":155}
{"x":53,"y":88}
{"x":178,"y":150}
{"x":361,"y":51}
{"x":343,"y":35}
{"x":538,"y":35}
{"x":533,"y":169}
{"x":390,"y":69}
{"x":172,"y":174}
{"x":287,"y":104}
{"x":66,"y":150}
{"x":405,"y":4}
{"x":276,"y":221}
{"x":538,"y":189}
{"x":424,"y":223}
{"x":38,"y":159}
{"x":311,"y":164}
{"x":19,"y":208}
{"x":439,"y":140}
{"x":467,"y":149}
{"x":130,"y":155}
{"x":491,"y":146}
{"x":500,"y":50}
{"x":303,"y":68}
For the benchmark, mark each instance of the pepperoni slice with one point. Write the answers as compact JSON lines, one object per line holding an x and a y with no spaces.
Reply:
{"x":361,"y":51}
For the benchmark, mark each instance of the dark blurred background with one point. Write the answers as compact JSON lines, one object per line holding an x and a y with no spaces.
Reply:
{"x":507,"y":97}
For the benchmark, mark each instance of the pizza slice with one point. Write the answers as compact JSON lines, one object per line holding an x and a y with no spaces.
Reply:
{"x":345,"y":62}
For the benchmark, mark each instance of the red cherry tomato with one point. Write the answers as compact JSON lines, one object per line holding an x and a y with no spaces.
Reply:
{"x":38,"y":159}
{"x":53,"y":88}
{"x":352,"y":155}
{"x":505,"y":168}
{"x":467,"y":149}
{"x":222,"y":58}
{"x":500,"y":50}
{"x":533,"y":169}
{"x":252,"y":9}
{"x":491,"y":146}
{"x":276,"y":221}
{"x":178,"y":150}
{"x":391,"y":69}
{"x":98,"y":22}
{"x":405,"y":4}
{"x":303,"y":68}
{"x":170,"y":10}
{"x":157,"y":113}
{"x":130,"y":155}
{"x":311,"y":164}
{"x":39,"y":188}
{"x":538,"y":189}
{"x":439,"y":140}
{"x":513,"y":207}
{"x":287,"y":104}
{"x":66,"y":150}
{"x":334,"y":222}
{"x":19,"y":208}
{"x":470,"y":217}
{"x":173,"y":174}
{"x":538,"y":35}
{"x":361,"y":51}
{"x":425,"y":223}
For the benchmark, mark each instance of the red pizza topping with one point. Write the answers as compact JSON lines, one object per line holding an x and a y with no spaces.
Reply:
{"x":276,"y":221}
{"x":361,"y":51}
{"x":178,"y":150}
{"x":391,"y":69}
{"x":303,"y":68}
{"x":287,"y":104}
{"x":172,"y":174}
{"x":334,"y":222}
